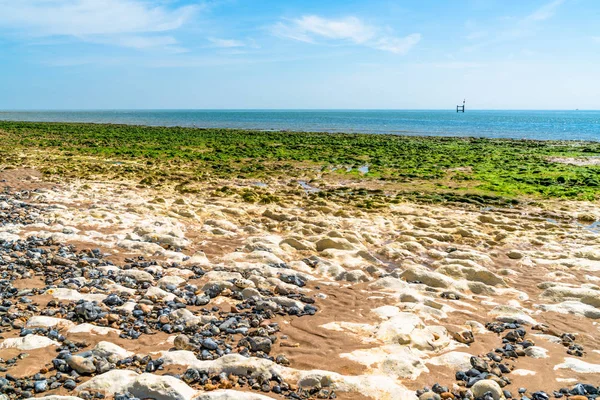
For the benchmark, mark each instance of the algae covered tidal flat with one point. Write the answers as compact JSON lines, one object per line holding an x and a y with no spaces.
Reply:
{"x":431,"y":168}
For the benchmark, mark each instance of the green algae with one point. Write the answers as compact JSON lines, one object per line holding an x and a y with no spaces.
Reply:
{"x":474,"y":170}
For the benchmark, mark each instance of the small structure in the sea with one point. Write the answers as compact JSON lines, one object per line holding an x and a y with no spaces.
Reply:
{"x":461,"y":108}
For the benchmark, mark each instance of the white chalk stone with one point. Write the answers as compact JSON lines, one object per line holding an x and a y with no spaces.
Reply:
{"x":93,"y":329}
{"x":111,"y":382}
{"x":40,"y":321}
{"x":579,"y":366}
{"x":29,"y":342}
{"x":523,"y":372}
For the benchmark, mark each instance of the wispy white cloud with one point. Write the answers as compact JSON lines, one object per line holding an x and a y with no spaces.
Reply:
{"x":146,"y":42}
{"x":458,"y":65}
{"x":129,"y":23}
{"x":313,"y":28}
{"x":164,"y":43}
{"x":86,"y":60}
{"x":226,"y":43}
{"x":307,"y":27}
{"x":546,"y":11}
{"x":398,"y":45}
{"x":530,"y":23}
{"x":521,"y":27}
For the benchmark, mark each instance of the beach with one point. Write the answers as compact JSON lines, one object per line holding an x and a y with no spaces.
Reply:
{"x":180,"y":263}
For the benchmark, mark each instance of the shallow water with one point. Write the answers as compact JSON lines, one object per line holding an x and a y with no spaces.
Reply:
{"x":542,"y":125}
{"x":593,"y":227}
{"x":308,"y":188}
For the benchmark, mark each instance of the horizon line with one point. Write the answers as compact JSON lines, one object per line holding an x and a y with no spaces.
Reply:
{"x":284,"y":109}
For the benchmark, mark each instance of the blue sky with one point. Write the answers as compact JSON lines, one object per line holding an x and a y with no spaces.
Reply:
{"x":109,"y":54}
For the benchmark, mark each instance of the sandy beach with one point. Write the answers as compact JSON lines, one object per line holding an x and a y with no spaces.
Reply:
{"x":116,"y":290}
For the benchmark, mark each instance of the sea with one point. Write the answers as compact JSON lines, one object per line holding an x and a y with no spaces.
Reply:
{"x":538,"y":125}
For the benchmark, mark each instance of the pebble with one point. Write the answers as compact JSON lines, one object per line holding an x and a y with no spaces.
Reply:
{"x":70,"y":384}
{"x":479,"y":364}
{"x":182,"y":342}
{"x":540,"y":396}
{"x":260,"y":344}
{"x":41,"y":386}
{"x":483,"y":387}
{"x":210,"y":344}
{"x":429,"y":396}
{"x":84,"y":366}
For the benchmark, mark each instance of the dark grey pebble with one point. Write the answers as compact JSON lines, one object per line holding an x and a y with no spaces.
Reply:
{"x":40,"y":386}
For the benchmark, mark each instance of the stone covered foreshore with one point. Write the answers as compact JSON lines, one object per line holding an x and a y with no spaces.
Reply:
{"x":109,"y":290}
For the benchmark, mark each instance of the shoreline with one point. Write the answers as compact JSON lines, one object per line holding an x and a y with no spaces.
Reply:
{"x":400,"y":134}
{"x":515,"y":124}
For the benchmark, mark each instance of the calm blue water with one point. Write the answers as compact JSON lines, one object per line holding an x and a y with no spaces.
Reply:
{"x":565,"y":125}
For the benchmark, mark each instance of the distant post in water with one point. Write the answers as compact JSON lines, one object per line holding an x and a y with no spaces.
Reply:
{"x":461,"y":108}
